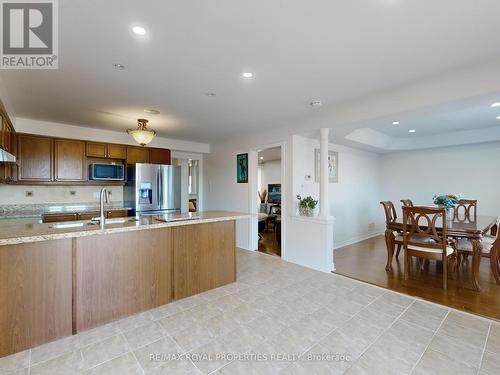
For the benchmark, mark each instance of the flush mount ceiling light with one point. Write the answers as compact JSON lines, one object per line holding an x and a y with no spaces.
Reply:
{"x":395,"y":123}
{"x":142,"y":134}
{"x":495,"y":105}
{"x":247,"y":75}
{"x":152,"y":111}
{"x":316,"y":103}
{"x":139,"y":30}
{"x":119,"y":66}
{"x":498,"y":117}
{"x":261,"y":158}
{"x":412,"y":131}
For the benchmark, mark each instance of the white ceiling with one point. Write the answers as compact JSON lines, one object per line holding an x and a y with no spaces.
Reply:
{"x":465,"y":121}
{"x":269,"y":154}
{"x":330,"y":50}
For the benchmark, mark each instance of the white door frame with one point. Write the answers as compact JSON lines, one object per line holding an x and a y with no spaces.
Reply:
{"x":199,"y":157}
{"x":253,"y":194}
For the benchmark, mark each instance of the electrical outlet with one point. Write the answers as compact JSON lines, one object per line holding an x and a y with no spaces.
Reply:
{"x":109,"y":192}
{"x":29,"y":193}
{"x":72,"y":192}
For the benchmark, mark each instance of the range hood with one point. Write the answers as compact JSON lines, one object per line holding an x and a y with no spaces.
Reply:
{"x":5,"y":157}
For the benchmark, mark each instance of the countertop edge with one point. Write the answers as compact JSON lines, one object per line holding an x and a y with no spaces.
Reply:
{"x":111,"y":230}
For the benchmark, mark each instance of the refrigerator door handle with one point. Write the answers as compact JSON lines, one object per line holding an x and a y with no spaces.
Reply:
{"x":160,"y":174}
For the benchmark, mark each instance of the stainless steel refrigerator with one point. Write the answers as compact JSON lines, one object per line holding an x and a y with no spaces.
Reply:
{"x":153,"y":188}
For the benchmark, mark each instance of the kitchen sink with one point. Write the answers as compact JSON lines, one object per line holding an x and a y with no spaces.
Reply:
{"x":174,"y":219}
{"x":80,"y":224}
{"x":68,"y":225}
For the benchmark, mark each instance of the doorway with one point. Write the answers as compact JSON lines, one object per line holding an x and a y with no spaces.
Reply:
{"x":190,"y":175}
{"x":268,"y":201}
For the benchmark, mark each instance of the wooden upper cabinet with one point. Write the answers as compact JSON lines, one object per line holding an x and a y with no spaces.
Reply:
{"x":137,"y":154}
{"x":159,"y":156}
{"x":69,"y":160}
{"x":117,"y":151}
{"x":106,"y":150}
{"x":35,"y":158}
{"x":95,"y":149}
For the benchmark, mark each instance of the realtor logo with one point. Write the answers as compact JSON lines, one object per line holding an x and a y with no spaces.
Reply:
{"x":29,"y":37}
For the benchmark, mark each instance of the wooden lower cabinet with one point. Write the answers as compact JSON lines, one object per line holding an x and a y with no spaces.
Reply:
{"x":204,"y":257}
{"x":122,"y":274}
{"x":35,"y":294}
{"x":57,"y":218}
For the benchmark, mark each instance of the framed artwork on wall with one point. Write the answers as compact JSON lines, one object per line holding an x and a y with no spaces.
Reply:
{"x":242,"y":168}
{"x":333,"y":166}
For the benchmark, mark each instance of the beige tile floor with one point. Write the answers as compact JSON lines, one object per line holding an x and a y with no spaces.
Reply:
{"x":278,"y":318}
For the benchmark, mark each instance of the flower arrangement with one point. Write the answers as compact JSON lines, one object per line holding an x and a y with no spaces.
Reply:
{"x":306,"y":205}
{"x":446,"y":200}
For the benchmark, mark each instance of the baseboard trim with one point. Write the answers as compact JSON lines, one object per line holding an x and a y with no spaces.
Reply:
{"x":356,"y":240}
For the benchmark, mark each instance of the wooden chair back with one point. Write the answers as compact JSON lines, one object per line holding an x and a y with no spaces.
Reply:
{"x":420,"y":224}
{"x":466,"y":210}
{"x":407,"y":203}
{"x":390,"y":211}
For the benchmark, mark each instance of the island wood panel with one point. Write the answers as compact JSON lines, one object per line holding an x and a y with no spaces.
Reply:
{"x":204,"y":257}
{"x":35,"y":294}
{"x":121,"y":274}
{"x":35,"y":158}
{"x":70,"y":160}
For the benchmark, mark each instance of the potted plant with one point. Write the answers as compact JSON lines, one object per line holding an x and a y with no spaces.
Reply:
{"x":263,"y":198}
{"x":306,"y":205}
{"x":447,"y":201}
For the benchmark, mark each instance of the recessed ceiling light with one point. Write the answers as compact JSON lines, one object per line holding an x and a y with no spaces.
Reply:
{"x":152,"y":111}
{"x":495,"y":105}
{"x":395,"y":123}
{"x":261,"y":158}
{"x":247,"y":75}
{"x":411,"y":131}
{"x":211,"y":94}
{"x":316,"y":103}
{"x":498,"y":117}
{"x":119,"y":66}
{"x":139,"y":30}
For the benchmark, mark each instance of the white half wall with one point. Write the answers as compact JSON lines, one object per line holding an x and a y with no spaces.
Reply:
{"x":418,"y":175}
{"x":54,"y":129}
{"x":354,"y":200}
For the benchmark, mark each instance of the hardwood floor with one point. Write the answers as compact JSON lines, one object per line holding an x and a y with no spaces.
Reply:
{"x":268,"y":243}
{"x":366,"y":260}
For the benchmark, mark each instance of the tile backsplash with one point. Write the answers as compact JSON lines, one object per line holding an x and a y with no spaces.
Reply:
{"x":31,"y":194}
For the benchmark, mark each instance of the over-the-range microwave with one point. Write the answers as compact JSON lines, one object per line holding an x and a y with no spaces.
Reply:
{"x":107,"y":172}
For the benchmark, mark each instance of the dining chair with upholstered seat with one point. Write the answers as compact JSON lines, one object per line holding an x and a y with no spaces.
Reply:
{"x":390,"y":217}
{"x":421,"y":238}
{"x":490,"y":248}
{"x":407,"y":203}
{"x":465,"y":210}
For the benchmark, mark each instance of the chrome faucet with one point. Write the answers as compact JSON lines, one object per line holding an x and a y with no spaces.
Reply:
{"x":103,"y":197}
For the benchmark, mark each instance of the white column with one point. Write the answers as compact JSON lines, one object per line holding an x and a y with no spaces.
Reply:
{"x":323,"y":183}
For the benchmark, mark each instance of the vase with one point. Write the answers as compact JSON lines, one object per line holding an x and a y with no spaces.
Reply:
{"x":306,"y":211}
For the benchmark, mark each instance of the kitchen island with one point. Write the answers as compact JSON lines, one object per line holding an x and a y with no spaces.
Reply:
{"x":63,"y":278}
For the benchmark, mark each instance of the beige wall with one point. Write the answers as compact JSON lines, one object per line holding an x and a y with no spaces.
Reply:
{"x":16,"y":194}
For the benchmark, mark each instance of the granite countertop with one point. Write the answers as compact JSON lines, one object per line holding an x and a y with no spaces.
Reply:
{"x":18,"y":211}
{"x":16,"y":231}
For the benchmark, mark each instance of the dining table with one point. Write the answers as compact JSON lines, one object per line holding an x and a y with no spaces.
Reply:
{"x":473,"y":229}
